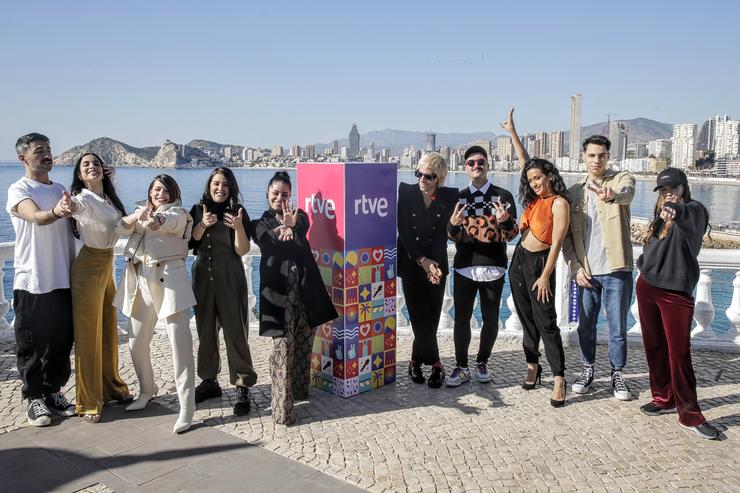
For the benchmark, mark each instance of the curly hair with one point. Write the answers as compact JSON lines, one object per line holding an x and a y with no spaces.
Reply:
{"x":526,"y":195}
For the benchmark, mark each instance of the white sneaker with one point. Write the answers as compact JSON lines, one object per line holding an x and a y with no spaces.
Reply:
{"x":619,"y":386}
{"x":459,"y":376}
{"x":481,"y":373}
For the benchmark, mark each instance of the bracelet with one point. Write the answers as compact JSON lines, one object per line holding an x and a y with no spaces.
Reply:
{"x":55,"y":214}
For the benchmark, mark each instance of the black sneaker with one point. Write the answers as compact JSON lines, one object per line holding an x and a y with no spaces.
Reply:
{"x":207,"y":389}
{"x":38,"y":413}
{"x":242,"y":405}
{"x":704,"y":430}
{"x":59,"y":405}
{"x":583,"y":382}
{"x":652,"y":409}
{"x":619,"y":386}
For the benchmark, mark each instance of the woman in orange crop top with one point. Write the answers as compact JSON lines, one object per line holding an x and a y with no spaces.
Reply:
{"x":545,"y":222}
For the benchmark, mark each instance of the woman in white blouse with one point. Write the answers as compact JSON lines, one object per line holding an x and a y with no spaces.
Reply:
{"x":97,"y":210}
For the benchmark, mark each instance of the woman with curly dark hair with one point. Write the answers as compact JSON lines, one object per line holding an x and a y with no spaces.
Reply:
{"x":97,"y":210}
{"x":545,"y":222}
{"x":669,"y":272}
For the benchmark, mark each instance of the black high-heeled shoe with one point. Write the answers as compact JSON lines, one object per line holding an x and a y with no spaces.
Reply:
{"x":416,"y":373}
{"x":437,"y":377}
{"x":556,"y":403}
{"x":537,"y":379}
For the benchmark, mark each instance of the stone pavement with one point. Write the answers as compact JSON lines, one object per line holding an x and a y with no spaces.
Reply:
{"x":407,"y":437}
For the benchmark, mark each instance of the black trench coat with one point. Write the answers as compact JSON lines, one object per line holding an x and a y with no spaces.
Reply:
{"x":274,"y":264}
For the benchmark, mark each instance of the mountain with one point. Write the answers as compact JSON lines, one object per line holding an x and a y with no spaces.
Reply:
{"x":115,"y":153}
{"x":111,"y":152}
{"x":639,"y":130}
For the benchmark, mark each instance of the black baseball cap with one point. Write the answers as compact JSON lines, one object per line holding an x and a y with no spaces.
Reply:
{"x":670,"y":177}
{"x":475,"y":150}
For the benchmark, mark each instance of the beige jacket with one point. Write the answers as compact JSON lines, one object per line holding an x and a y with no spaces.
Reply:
{"x":156,"y":260}
{"x":614,"y":217}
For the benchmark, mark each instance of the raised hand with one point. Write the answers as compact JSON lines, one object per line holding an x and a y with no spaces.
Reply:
{"x":501,"y":213}
{"x":606,"y":194}
{"x":154,"y":222}
{"x":109,"y":171}
{"x":235,"y":221}
{"x":66,"y":206}
{"x":458,"y":215}
{"x":508,"y":125}
{"x":209,"y":218}
{"x":289,"y":215}
{"x":667,"y":213}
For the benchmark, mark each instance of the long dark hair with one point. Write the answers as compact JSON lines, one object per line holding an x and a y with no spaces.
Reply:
{"x":108,"y":188}
{"x":234,"y":195}
{"x":170,"y":184}
{"x":526,"y":195}
{"x":659,"y":228}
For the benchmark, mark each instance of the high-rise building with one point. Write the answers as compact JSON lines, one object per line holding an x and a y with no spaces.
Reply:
{"x":309,"y":152}
{"x":636,"y":151}
{"x":335,"y":147}
{"x":385,"y":155}
{"x":540,"y":145}
{"x":354,"y":142}
{"x":445,"y":153}
{"x":660,"y":148}
{"x":556,"y":144}
{"x":618,"y":138}
{"x":574,"y":138}
{"x":431,"y":143}
{"x":370,"y":155}
{"x":277,"y":151}
{"x":727,"y":138}
{"x":227,"y":152}
{"x":504,"y":148}
{"x":684,"y":145}
{"x":485,"y":144}
{"x":344,"y":152}
{"x":295,"y":150}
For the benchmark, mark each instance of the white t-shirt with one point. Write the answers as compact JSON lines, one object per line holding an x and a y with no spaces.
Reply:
{"x":43,"y":254}
{"x":96,"y":219}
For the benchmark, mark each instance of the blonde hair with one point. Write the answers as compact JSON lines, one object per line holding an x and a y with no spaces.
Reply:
{"x":435,"y":162}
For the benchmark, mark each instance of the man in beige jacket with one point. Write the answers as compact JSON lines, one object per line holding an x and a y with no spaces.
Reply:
{"x":598,"y":250}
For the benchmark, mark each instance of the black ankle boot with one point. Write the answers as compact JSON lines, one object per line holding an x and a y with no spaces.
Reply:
{"x":416,"y":373}
{"x":437,"y":377}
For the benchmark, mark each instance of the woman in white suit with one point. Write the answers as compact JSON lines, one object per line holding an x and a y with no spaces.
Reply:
{"x":156,"y":286}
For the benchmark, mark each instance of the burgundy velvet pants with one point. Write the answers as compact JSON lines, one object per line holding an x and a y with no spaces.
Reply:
{"x":665,"y":317}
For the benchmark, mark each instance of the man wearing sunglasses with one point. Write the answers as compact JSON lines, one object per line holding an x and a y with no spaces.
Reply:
{"x":483,"y":221}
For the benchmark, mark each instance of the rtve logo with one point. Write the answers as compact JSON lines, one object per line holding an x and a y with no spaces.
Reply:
{"x":368,"y":205}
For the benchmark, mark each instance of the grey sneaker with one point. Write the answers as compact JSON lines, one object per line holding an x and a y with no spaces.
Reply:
{"x":59,"y":405}
{"x":459,"y":376}
{"x":652,"y":409}
{"x":704,"y":430}
{"x":584,"y":381}
{"x":38,"y":413}
{"x":481,"y":373}
{"x":619,"y":386}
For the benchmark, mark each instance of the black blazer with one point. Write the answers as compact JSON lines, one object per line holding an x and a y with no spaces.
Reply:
{"x":422,"y":232}
{"x":274,"y":263}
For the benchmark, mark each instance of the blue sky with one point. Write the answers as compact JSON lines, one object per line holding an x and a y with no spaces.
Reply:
{"x":261,"y":74}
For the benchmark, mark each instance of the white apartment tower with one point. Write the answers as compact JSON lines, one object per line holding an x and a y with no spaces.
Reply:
{"x":574,"y":141}
{"x":504,"y":148}
{"x":556,"y":144}
{"x":684,"y":145}
{"x":618,"y":138}
{"x":727,"y":138}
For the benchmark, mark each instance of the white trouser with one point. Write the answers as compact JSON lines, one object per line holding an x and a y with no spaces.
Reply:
{"x":140,"y":331}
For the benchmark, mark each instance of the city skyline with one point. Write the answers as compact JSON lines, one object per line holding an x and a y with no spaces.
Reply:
{"x":290,"y":73}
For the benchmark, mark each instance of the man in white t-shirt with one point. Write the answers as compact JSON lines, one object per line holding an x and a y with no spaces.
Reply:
{"x":44,"y":251}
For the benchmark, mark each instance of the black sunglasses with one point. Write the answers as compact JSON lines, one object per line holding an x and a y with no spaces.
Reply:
{"x":419,"y":174}
{"x":480,"y":162}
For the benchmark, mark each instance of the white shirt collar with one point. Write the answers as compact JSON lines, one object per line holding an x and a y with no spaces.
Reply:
{"x":483,"y":189}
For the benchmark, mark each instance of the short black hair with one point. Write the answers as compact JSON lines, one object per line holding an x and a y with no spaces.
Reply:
{"x":280,"y":176}
{"x":598,"y":140}
{"x":475,"y":150}
{"x":21,"y":145}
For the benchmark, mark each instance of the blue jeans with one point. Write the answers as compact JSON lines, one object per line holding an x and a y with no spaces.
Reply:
{"x":615,"y":290}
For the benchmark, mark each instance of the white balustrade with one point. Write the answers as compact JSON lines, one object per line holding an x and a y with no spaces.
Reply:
{"x":703,"y":335}
{"x":401,"y":322}
{"x":251,"y":292}
{"x":703,"y":307}
{"x":635,"y":333}
{"x":732,"y":336}
{"x":446,"y":323}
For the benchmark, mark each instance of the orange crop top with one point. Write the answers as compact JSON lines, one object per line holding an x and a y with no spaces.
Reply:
{"x":538,"y":217}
